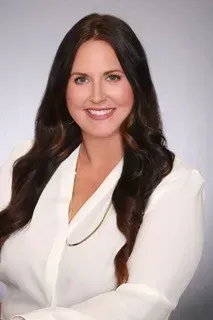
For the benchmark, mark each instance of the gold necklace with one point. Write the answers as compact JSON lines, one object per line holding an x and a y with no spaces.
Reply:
{"x":71,"y":205}
{"x":96,"y":228}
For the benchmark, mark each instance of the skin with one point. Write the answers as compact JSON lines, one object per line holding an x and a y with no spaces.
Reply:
{"x":98,"y":81}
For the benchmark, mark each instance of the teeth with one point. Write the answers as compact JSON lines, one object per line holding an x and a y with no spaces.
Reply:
{"x":100,"y":113}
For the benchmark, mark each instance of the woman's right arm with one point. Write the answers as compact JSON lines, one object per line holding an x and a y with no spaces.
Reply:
{"x":6,"y":175}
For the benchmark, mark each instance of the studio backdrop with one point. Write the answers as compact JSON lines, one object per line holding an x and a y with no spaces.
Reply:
{"x":178,"y":38}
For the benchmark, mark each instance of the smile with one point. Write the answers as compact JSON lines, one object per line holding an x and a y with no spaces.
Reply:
{"x":100,"y":114}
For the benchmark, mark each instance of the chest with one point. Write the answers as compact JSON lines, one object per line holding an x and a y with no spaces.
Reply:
{"x":85,"y":186}
{"x":40,"y":258}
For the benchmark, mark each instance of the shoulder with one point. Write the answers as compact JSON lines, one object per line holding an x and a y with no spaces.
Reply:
{"x":6,"y":170}
{"x":182,"y":180}
{"x":16,"y":152}
{"x":20,"y":150}
{"x":181,"y":171}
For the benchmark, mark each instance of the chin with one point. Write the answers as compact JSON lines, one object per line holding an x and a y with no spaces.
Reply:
{"x":102,"y":134}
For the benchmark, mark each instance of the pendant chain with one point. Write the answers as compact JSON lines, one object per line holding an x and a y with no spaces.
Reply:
{"x":71,"y":210}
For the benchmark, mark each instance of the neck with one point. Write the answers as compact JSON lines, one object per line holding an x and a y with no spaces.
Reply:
{"x":97,"y":153}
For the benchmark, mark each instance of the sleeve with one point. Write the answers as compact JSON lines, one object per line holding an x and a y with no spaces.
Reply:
{"x":166,"y":254}
{"x":6,"y":172}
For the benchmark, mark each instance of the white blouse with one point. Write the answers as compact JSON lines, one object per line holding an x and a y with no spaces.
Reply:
{"x":47,"y":280}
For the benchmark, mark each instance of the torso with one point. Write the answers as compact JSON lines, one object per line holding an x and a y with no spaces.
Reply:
{"x":37,"y":261}
{"x":86,"y":184}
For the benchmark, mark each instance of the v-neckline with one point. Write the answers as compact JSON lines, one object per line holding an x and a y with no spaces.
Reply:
{"x":67,"y":181}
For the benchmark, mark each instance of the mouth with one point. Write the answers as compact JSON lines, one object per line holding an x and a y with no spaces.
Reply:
{"x":100,"y":114}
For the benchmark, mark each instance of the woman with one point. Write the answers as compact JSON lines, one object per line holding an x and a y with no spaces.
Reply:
{"x":99,"y":219}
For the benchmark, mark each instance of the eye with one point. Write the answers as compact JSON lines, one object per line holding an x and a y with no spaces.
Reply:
{"x":113,"y":77}
{"x":80,"y":80}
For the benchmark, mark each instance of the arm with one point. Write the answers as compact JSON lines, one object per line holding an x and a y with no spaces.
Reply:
{"x":166,"y":254}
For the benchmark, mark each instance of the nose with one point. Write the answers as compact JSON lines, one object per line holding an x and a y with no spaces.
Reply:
{"x":97,"y":93}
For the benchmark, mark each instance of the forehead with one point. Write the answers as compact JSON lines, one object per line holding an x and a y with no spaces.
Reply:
{"x":95,"y":54}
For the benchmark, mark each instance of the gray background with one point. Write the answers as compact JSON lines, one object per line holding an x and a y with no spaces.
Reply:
{"x":178,"y":38}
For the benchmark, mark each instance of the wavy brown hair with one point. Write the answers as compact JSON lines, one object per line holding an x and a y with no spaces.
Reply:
{"x":147,"y":160}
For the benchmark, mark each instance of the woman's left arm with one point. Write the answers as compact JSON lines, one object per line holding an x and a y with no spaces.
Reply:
{"x":166,"y":254}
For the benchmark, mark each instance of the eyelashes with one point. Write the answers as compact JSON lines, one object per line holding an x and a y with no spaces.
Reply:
{"x":114,"y":77}
{"x":80,"y":80}
{"x":83,"y":79}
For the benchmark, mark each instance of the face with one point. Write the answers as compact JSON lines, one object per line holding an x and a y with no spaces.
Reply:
{"x":99,"y":96}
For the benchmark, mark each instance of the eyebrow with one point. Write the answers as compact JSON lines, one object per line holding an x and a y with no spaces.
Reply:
{"x":105,"y":73}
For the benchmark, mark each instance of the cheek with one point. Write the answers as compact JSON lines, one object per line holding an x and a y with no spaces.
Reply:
{"x":75,"y":96}
{"x":123,"y":95}
{"x":128,"y":96}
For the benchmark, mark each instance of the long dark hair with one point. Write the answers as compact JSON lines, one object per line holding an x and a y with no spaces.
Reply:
{"x":146,"y":156}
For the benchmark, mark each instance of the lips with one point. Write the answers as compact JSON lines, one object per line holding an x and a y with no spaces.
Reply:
{"x":100,"y":114}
